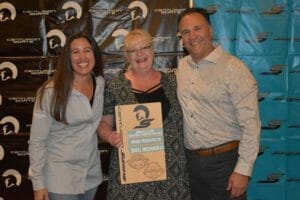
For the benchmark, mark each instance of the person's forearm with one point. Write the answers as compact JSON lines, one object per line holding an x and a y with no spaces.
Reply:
{"x":104,"y":131}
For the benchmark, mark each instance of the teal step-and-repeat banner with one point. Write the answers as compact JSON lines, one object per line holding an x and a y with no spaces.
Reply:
{"x":265,"y":34}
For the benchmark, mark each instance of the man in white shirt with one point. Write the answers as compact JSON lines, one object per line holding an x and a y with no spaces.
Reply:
{"x":218,"y":96}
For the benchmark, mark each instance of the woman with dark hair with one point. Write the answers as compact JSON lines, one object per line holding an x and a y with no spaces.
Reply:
{"x":63,"y":145}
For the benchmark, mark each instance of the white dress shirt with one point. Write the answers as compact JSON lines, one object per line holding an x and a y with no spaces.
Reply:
{"x":218,"y":96}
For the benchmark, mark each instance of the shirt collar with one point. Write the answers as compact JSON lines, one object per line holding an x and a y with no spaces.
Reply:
{"x":213,"y":57}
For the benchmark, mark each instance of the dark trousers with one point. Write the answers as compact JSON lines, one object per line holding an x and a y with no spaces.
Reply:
{"x":209,"y":175}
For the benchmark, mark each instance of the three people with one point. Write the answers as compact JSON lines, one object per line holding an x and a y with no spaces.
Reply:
{"x":216,"y":91}
{"x":63,"y":145}
{"x":142,"y":83}
{"x":218,"y":96}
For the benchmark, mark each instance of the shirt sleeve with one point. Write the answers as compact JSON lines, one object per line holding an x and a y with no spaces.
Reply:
{"x":39,"y":134}
{"x":244,"y":91}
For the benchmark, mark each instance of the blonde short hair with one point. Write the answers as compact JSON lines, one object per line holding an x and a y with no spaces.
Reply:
{"x":131,"y":36}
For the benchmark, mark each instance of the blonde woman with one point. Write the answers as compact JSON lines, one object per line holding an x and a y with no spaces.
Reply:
{"x":142,"y":83}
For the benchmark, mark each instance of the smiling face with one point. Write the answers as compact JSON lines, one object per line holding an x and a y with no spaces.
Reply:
{"x":197,"y":35}
{"x":139,"y":51}
{"x":82,"y":57}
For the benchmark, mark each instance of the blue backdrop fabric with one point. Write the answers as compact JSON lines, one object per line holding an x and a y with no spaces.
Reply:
{"x":266,"y":36}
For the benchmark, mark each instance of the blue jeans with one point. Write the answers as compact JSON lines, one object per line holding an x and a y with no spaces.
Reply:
{"x":88,"y":195}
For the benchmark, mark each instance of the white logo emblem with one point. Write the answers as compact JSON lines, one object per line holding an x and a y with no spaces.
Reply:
{"x":9,"y":125}
{"x":8,"y":71}
{"x":119,"y":35}
{"x":1,"y":153}
{"x":69,"y":14}
{"x":134,"y":13}
{"x":12,"y":178}
{"x":7,"y":11}
{"x":56,"y":38}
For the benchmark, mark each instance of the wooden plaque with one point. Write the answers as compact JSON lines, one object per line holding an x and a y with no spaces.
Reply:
{"x":142,"y":156}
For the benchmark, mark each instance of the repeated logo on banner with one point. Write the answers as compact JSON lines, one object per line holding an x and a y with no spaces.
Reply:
{"x":8,"y":71}
{"x":12,"y":178}
{"x":9,"y":125}
{"x":19,"y":80}
{"x":130,"y":14}
{"x":70,"y":10}
{"x":35,"y":32}
{"x":56,"y":39}
{"x":7,"y":11}
{"x":119,"y":35}
{"x":73,"y":10}
{"x":265,"y":35}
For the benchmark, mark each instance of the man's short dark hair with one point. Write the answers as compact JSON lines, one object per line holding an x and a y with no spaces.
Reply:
{"x":189,"y":11}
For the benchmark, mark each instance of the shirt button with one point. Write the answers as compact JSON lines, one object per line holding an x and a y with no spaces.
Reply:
{"x":191,"y":115}
{"x":195,"y":132}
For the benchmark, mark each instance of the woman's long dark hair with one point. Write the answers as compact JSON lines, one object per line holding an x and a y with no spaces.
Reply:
{"x":64,"y":76}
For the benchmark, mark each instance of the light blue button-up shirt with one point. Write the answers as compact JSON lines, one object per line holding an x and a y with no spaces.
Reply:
{"x":64,"y":158}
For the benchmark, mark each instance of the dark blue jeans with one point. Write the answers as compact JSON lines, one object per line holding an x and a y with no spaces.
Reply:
{"x":209,"y":175}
